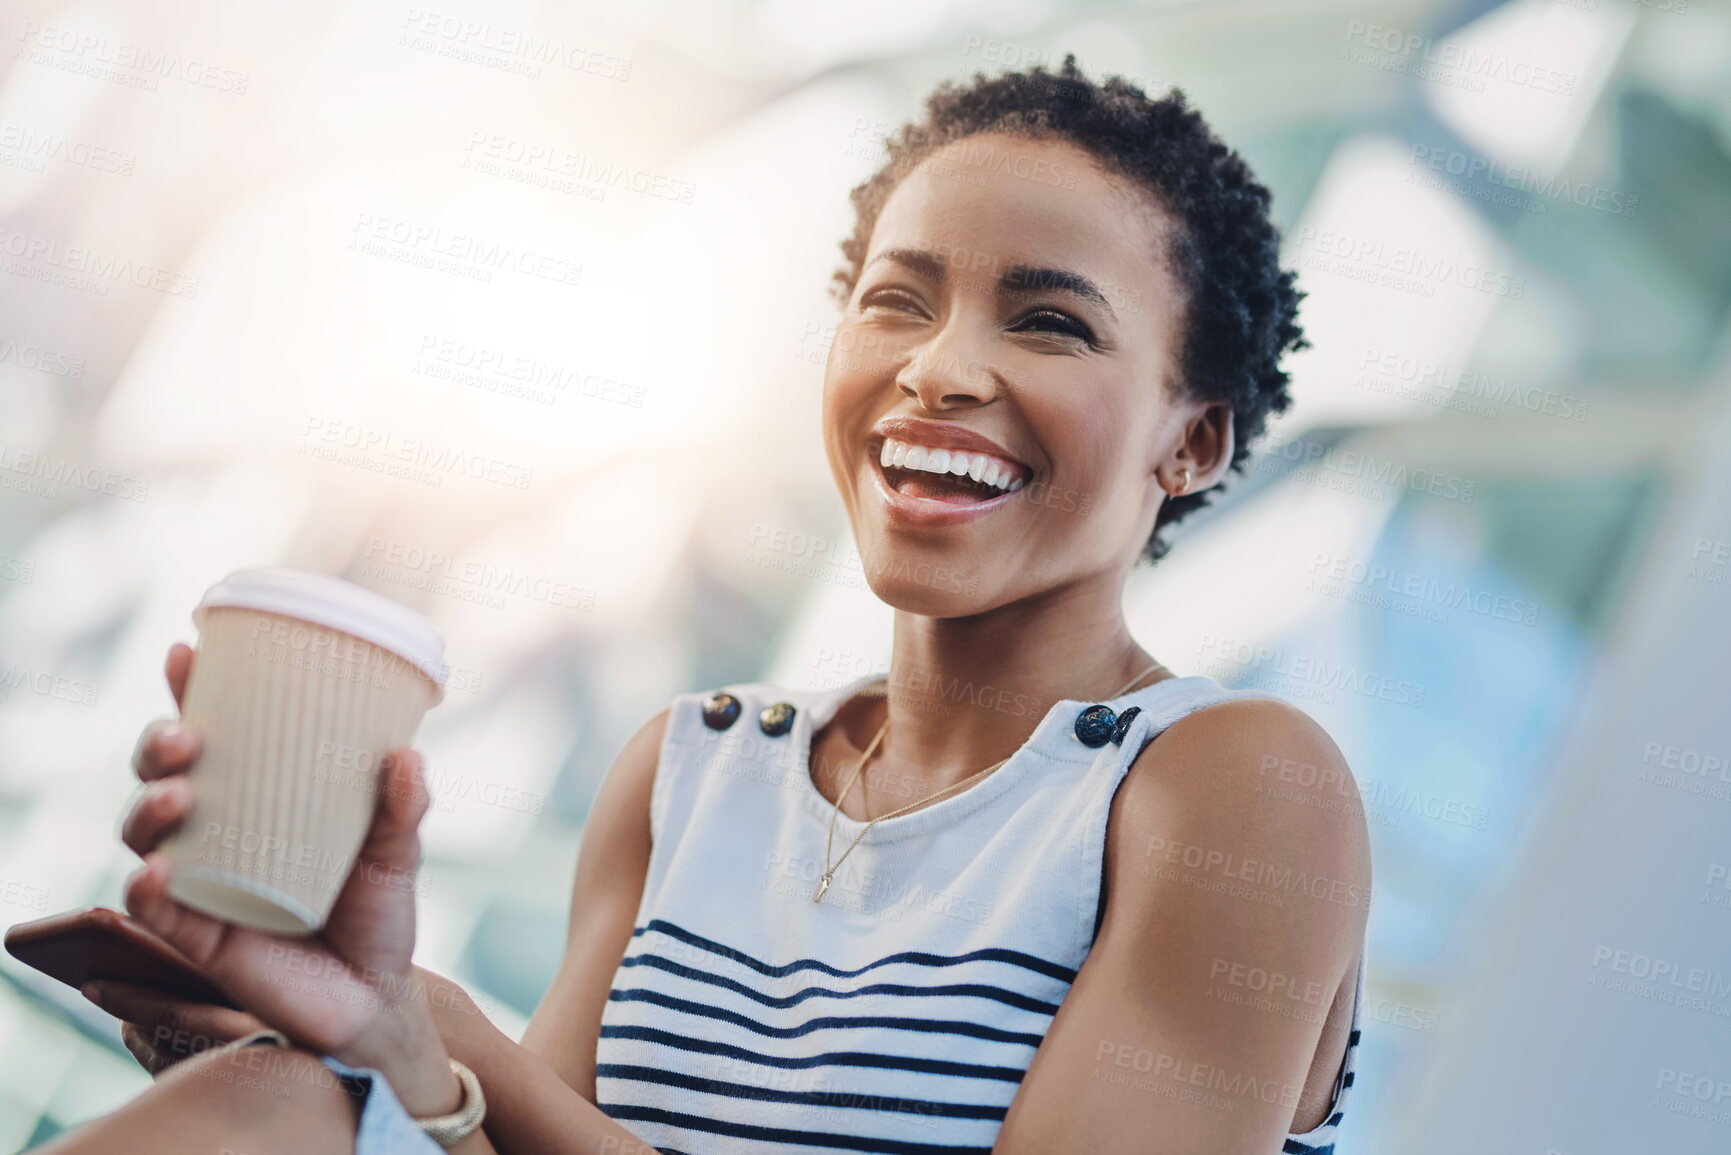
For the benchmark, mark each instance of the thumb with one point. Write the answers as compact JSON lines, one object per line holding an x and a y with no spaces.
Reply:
{"x":394,"y":837}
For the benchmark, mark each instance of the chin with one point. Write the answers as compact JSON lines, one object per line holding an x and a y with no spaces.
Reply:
{"x":914,"y":581}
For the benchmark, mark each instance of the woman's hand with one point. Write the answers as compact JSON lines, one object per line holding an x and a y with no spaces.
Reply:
{"x":349,"y":991}
{"x":160,"y":1030}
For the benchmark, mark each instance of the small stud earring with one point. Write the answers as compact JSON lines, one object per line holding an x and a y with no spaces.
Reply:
{"x":1183,"y":481}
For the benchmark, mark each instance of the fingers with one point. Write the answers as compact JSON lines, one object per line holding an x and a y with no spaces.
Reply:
{"x":139,"y":1047}
{"x":166,"y":747}
{"x":197,"y":936}
{"x":165,"y":1028}
{"x":158,"y":812}
{"x":178,"y":668}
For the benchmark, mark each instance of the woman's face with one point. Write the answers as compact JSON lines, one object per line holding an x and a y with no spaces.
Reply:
{"x":1015,"y":305}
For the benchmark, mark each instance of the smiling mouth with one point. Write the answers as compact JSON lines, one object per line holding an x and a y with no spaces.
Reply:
{"x":951,"y":476}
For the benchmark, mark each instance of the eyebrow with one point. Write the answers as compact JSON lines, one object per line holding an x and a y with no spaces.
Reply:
{"x":1016,"y":279}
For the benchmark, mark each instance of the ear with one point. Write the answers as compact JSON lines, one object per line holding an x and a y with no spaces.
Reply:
{"x":1204,"y":454}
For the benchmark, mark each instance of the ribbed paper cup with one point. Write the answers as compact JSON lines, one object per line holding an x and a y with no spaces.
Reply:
{"x":301,"y":684}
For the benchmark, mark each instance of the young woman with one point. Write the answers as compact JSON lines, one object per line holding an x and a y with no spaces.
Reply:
{"x":970,"y":906}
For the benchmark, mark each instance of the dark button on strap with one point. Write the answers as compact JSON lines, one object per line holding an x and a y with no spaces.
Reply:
{"x":776,"y":720}
{"x":1123,"y":726}
{"x":720,"y":711}
{"x":1094,"y":725}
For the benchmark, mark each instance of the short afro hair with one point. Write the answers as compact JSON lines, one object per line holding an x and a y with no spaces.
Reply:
{"x":1241,"y":308}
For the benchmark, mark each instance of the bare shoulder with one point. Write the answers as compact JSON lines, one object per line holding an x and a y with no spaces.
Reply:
{"x":1247,"y":799}
{"x":1258,"y":774}
{"x":1235,"y":910}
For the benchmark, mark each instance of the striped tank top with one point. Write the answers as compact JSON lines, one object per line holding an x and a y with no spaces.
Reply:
{"x":900,"y":1014}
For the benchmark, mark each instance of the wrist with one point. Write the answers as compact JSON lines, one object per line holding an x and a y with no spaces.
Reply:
{"x":405,"y":1048}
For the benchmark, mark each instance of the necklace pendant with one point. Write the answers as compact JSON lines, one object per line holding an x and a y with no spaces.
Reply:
{"x":822,"y":888}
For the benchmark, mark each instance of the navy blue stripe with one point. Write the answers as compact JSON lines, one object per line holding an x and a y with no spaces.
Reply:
{"x":782,"y":1134}
{"x":851,"y":1100}
{"x":974,"y":990}
{"x":917,"y":958}
{"x":1294,"y":1147}
{"x":827,"y":1059}
{"x":828,"y":1022}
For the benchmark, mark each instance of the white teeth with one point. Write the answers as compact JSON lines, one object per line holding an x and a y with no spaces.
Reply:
{"x":979,"y":466}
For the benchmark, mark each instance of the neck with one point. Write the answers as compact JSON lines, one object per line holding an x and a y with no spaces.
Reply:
{"x":965,"y":692}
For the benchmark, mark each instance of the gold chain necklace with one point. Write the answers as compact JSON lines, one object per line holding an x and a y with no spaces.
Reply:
{"x":829,"y":870}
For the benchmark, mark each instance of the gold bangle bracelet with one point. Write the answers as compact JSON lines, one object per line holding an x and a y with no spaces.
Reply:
{"x":449,"y":1130}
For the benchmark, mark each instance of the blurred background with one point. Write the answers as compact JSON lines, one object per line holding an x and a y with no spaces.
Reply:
{"x":263,"y":268}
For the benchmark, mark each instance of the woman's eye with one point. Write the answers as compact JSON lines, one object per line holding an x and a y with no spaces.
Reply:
{"x":1053,"y":321}
{"x":894,"y":299}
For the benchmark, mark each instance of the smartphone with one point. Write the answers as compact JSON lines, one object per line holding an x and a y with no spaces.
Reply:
{"x":98,"y":943}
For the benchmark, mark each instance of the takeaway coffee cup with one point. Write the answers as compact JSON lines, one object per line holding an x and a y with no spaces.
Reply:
{"x":301,"y":684}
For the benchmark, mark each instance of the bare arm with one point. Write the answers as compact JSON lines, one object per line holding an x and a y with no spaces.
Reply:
{"x":1158,"y":1048}
{"x":541,"y":1094}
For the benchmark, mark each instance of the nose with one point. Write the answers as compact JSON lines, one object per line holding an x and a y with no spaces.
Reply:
{"x":947,"y":372}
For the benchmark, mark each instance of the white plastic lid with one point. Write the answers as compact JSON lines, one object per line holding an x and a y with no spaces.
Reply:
{"x":337,"y":605}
